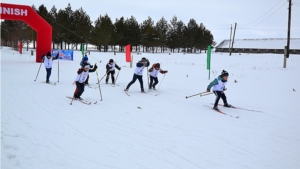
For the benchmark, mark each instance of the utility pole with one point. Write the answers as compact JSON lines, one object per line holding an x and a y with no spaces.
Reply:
{"x":284,"y":59}
{"x":230,"y":38}
{"x":289,"y":30}
{"x":233,"y":38}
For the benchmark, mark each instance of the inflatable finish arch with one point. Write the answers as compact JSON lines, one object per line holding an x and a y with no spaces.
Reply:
{"x":34,"y":20}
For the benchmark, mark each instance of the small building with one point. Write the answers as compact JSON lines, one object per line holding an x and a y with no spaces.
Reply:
{"x":275,"y":45}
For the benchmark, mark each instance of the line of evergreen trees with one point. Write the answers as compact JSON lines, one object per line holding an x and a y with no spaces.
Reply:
{"x":75,"y":27}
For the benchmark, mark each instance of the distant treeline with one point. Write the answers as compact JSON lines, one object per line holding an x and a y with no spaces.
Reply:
{"x":75,"y":27}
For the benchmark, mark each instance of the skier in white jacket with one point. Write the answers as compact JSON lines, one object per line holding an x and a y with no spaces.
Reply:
{"x":82,"y":75}
{"x":218,"y":88}
{"x":154,"y":71}
{"x":138,"y":73}
{"x":48,"y":60}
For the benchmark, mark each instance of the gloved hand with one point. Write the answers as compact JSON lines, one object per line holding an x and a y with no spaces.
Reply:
{"x":95,"y":67}
{"x":79,"y":71}
{"x":120,"y":68}
{"x":207,"y":90}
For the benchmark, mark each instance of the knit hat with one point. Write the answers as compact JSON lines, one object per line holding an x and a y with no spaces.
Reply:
{"x":85,"y":58}
{"x":48,"y":53}
{"x":224,"y":73}
{"x":144,"y":59}
{"x":157,"y":65}
{"x":111,"y":60}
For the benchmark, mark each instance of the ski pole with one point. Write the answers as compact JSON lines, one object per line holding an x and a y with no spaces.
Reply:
{"x":74,"y":93}
{"x":161,"y":81}
{"x":205,"y":94}
{"x":117,"y":76}
{"x":103,"y":76}
{"x":148,"y":78}
{"x":38,"y":71}
{"x":58,"y":70}
{"x":72,"y":101}
{"x":99,"y":84}
{"x":195,"y":95}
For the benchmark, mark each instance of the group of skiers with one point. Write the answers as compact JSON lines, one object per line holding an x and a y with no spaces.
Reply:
{"x":82,"y":77}
{"x":138,"y":74}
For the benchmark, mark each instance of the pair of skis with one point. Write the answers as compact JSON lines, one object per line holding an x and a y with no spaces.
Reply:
{"x":126,"y":92}
{"x":149,"y":92}
{"x":50,"y":83}
{"x":221,"y":112}
{"x":234,"y":107}
{"x":82,"y":101}
{"x":153,"y":92}
{"x":240,"y":108}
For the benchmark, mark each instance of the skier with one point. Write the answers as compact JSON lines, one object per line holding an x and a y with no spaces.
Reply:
{"x":219,"y":88}
{"x":48,"y":59}
{"x":138,"y":73}
{"x":81,"y":78}
{"x":110,"y":70}
{"x":154,"y":70}
{"x":83,"y":62}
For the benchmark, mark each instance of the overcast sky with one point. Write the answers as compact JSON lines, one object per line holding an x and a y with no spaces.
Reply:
{"x":255,"y":18}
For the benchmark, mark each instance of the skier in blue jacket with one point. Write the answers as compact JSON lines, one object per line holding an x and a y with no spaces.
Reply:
{"x":218,"y":88}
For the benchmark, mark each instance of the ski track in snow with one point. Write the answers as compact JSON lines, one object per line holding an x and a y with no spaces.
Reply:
{"x":40,"y":129}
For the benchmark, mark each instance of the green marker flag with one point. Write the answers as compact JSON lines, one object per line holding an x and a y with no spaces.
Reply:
{"x":82,"y":50}
{"x":208,"y":60}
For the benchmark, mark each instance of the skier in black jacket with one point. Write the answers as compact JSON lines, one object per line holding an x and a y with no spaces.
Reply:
{"x":110,"y":70}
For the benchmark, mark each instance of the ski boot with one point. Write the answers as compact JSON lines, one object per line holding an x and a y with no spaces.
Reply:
{"x":227,"y":105}
{"x":216,"y":108}
{"x":126,"y":90}
{"x":143,"y":91}
{"x":79,"y":98}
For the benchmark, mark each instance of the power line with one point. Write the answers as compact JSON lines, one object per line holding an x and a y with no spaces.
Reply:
{"x":263,"y":14}
{"x":64,"y":28}
{"x":262,"y":28}
{"x":267,"y":17}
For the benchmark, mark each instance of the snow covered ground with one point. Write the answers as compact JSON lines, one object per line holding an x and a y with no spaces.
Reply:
{"x":41,"y":130}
